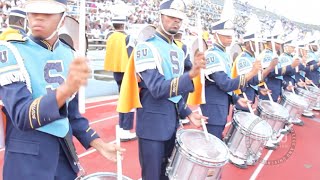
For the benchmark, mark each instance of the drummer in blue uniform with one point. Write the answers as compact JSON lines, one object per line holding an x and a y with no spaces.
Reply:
{"x":39,"y":79}
{"x":219,"y":85}
{"x":312,"y":61}
{"x":160,"y":64}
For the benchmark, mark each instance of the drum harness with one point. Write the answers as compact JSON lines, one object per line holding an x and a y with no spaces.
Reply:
{"x":72,"y":151}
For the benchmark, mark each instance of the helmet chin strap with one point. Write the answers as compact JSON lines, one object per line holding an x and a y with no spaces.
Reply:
{"x":251,"y":47}
{"x":58,"y":27}
{"x":162,"y":27}
{"x":219,"y":41}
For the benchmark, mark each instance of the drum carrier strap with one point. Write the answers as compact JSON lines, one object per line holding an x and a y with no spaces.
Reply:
{"x":72,"y":151}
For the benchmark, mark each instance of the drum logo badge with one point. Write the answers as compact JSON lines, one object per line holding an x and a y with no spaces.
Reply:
{"x":286,"y":145}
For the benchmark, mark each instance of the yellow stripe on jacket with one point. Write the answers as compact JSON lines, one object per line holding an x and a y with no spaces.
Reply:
{"x":129,"y":92}
{"x":116,"y":58}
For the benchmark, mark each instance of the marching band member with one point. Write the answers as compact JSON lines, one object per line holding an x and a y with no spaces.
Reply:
{"x":242,"y":65}
{"x":119,"y":47}
{"x":160,"y":65}
{"x":38,"y":84}
{"x":313,"y":62}
{"x":219,"y":84}
{"x":187,"y":61}
{"x":17,"y":25}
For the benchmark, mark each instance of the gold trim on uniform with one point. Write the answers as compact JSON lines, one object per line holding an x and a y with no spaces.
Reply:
{"x":177,"y":86}
{"x":283,"y":70}
{"x":34,"y":112}
{"x":242,"y":82}
{"x":88,"y":129}
{"x":174,"y":87}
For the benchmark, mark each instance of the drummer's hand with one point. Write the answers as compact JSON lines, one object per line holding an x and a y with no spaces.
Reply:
{"x":308,"y":81}
{"x":198,"y":64}
{"x":290,"y":87}
{"x":195,"y":118}
{"x":108,"y":150}
{"x":301,"y":84}
{"x":264,"y":91}
{"x":244,"y":102}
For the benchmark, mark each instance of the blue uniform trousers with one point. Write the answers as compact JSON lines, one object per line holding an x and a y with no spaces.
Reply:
{"x":153,"y":156}
{"x":125,"y":119}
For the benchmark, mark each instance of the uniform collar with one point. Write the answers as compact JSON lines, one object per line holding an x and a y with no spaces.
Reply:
{"x":252,"y":55}
{"x":163,"y":37}
{"x":220,"y":47}
{"x":21,"y":30}
{"x":288,"y":54}
{"x":44,"y":43}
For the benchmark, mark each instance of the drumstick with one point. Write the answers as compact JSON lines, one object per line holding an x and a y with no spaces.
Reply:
{"x":201,"y":49}
{"x":292,"y":87}
{"x":305,"y":86}
{"x":82,"y":51}
{"x":248,"y":104}
{"x":274,"y":52}
{"x":269,"y":95}
{"x":119,"y":164}
{"x":204,"y":127}
{"x":312,"y":83}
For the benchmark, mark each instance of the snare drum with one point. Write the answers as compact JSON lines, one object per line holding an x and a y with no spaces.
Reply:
{"x":294,"y":104}
{"x":316,"y":91}
{"x":196,"y":158}
{"x":103,"y":176}
{"x":309,"y":96}
{"x":247,"y":135}
{"x":275,"y":114}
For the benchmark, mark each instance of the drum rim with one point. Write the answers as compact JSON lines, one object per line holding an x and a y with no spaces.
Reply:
{"x":303,"y":105}
{"x":103,"y":173}
{"x":277,"y":104}
{"x":195,"y":157}
{"x":256,"y":135}
{"x":309,"y":95}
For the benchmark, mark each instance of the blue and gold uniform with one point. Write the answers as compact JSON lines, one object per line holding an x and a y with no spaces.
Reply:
{"x":160,"y":64}
{"x":312,"y":67}
{"x":242,"y":65}
{"x":218,"y":89}
{"x":35,"y":125}
{"x":286,"y":59}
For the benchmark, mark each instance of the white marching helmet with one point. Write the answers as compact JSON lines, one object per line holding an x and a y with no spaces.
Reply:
{"x":46,"y":6}
{"x":173,"y":8}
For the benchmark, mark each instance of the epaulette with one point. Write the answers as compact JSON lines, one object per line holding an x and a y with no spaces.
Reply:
{"x":16,"y":38}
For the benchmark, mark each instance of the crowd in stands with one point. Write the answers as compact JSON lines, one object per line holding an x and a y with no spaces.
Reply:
{"x":100,"y":12}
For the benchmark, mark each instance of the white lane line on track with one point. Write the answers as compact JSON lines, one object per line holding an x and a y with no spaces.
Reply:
{"x":99,"y":105}
{"x":265,"y":159}
{"x":104,"y":119}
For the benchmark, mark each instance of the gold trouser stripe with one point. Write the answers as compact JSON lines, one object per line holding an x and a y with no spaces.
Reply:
{"x":93,"y":134}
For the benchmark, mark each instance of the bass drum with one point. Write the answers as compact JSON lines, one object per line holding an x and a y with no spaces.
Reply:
{"x":234,"y":51}
{"x":69,"y":33}
{"x":103,"y":176}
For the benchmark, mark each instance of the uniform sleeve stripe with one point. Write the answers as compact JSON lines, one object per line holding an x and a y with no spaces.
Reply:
{"x":9,"y":68}
{"x":38,"y":105}
{"x":88,"y":129}
{"x":93,"y":133}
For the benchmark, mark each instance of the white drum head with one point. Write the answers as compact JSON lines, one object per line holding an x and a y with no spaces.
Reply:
{"x":194,"y":142}
{"x":253,"y":124}
{"x":273,"y":109}
{"x":295,"y":99}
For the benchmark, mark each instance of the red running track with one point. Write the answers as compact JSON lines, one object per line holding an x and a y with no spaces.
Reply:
{"x":304,"y":162}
